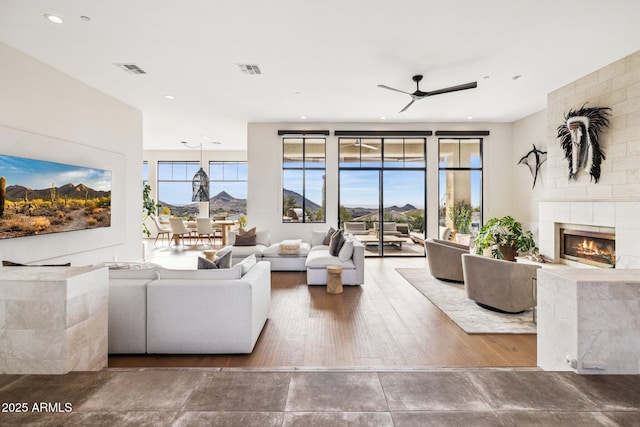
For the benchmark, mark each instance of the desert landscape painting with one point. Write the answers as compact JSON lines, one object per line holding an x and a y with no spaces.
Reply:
{"x":40,"y":197}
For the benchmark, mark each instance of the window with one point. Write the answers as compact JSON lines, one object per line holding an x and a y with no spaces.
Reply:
{"x":228,"y":186}
{"x":303,"y":179}
{"x":460,"y":184}
{"x":174,"y":187}
{"x":145,"y":173}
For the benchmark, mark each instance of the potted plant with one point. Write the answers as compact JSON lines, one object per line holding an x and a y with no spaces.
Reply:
{"x":149,"y":208}
{"x":460,"y":214}
{"x":505,"y":237}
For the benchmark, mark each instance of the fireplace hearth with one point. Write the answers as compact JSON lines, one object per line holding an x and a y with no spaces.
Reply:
{"x":588,"y":247}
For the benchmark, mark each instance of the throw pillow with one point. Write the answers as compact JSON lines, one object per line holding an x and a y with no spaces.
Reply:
{"x":245,"y":240}
{"x":247,"y":263}
{"x":346,"y":251}
{"x":224,"y":261}
{"x":327,"y":237}
{"x":205,"y":264}
{"x":249,"y":232}
{"x":336,"y":242}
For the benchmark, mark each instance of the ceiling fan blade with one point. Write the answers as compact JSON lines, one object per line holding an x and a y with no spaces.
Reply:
{"x":370,"y":147}
{"x":390,"y":88}
{"x":452,"y":89}
{"x":408,"y":105}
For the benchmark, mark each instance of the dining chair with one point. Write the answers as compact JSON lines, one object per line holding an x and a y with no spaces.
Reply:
{"x":179,"y":230}
{"x":161,"y":231}
{"x":207,"y":230}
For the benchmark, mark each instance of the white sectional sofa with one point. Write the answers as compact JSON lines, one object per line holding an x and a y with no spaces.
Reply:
{"x":313,"y":257}
{"x":160,"y":310}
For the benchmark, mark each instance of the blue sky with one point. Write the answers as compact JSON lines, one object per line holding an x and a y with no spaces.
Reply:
{"x":360,"y":188}
{"x":39,"y":175}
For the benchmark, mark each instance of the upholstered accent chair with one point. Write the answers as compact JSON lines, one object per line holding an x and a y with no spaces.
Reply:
{"x":444,"y":258}
{"x":355,"y":227}
{"x":499,"y":285}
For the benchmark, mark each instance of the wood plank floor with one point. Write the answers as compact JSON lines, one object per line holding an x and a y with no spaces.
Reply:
{"x":385,"y":323}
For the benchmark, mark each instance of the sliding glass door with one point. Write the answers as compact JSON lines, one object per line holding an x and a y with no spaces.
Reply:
{"x":382,"y":194}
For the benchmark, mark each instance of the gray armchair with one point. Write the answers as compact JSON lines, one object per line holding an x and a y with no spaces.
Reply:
{"x":499,"y":285}
{"x":445,"y":260}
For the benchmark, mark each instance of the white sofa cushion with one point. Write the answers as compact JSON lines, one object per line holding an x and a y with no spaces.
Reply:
{"x":247,"y":263}
{"x":222,"y":273}
{"x":241,"y":252}
{"x":322,"y":258}
{"x":347,"y":250}
{"x":133,"y":270}
{"x":317,"y":237}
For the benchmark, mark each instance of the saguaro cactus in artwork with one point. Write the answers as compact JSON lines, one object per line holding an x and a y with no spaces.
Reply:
{"x":3,"y":194}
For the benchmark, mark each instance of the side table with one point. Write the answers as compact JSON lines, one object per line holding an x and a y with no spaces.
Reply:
{"x":334,"y":279}
{"x":210,"y":254}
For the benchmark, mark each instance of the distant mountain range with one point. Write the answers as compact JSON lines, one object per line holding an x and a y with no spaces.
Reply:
{"x":224,"y":202}
{"x":18,"y":192}
{"x":308,"y":204}
{"x":221,"y":202}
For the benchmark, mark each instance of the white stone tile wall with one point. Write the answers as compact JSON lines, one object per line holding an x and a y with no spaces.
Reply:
{"x":616,"y":86}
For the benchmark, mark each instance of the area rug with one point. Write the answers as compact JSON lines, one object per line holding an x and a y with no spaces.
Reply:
{"x":452,"y":300}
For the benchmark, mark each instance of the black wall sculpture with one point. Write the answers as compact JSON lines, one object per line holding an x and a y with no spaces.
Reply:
{"x":533,"y":160}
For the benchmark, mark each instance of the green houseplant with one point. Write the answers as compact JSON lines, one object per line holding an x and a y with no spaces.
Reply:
{"x":460,"y":214}
{"x":149,"y":208}
{"x":505,"y":236}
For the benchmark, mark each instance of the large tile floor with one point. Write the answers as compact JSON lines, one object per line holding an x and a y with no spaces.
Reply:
{"x":310,"y":397}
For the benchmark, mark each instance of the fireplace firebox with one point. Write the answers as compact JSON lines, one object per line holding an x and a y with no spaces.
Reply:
{"x":588,"y":247}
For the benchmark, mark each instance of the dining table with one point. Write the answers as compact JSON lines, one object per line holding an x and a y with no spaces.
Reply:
{"x":224,"y":224}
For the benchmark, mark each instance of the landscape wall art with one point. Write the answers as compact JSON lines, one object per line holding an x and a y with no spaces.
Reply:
{"x":40,"y":197}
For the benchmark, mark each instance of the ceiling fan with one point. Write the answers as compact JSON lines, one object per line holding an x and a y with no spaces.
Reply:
{"x":359,"y":143}
{"x":418,"y":94}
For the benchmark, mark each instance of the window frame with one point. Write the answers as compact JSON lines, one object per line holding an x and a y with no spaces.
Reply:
{"x":304,"y":167}
{"x":463,"y":169}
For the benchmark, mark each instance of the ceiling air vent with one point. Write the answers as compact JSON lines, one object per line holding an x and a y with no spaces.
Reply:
{"x":250,"y":68}
{"x":131,"y":68}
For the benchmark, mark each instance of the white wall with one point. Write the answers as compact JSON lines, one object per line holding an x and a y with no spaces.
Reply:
{"x":48,"y":115}
{"x":528,"y":131}
{"x":265,"y":172}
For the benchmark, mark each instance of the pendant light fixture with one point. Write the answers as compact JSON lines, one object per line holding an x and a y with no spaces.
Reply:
{"x":200,"y":181}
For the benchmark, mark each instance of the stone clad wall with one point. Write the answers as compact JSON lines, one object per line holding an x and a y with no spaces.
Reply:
{"x":616,"y":86}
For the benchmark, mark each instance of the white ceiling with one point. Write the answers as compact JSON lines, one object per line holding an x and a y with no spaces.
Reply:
{"x":321,"y":59}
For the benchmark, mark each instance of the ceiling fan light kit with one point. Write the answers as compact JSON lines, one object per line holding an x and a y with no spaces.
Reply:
{"x":418,"y":94}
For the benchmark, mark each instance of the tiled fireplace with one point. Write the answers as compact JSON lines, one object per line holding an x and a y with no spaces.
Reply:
{"x":590,"y":233}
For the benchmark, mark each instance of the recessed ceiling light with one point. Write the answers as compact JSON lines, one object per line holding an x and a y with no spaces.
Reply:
{"x":303,"y":117}
{"x":383,"y":118}
{"x":85,"y":18}
{"x":469,"y":117}
{"x":170,"y":97}
{"x":53,"y":18}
